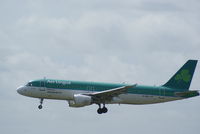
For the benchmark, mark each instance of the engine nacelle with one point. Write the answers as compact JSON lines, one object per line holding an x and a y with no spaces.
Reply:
{"x":80,"y":101}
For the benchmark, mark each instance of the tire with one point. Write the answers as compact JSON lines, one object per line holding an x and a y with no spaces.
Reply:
{"x":104,"y":110}
{"x":40,"y":106}
{"x":99,"y":111}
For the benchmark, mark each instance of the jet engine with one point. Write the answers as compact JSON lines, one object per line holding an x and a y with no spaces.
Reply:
{"x":80,"y":101}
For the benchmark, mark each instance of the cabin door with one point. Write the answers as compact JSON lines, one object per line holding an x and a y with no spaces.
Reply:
{"x":90,"y":88}
{"x":43,"y":87}
{"x":162,"y":91}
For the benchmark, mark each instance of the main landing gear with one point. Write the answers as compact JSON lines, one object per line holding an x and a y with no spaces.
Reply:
{"x":102,"y":110}
{"x":41,"y":102}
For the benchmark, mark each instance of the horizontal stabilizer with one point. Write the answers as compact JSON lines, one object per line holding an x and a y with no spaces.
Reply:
{"x":187,"y":94}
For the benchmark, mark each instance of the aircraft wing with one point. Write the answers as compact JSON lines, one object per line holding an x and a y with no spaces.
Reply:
{"x":107,"y":95}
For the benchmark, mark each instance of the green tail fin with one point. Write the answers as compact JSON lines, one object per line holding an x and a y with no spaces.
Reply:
{"x":183,"y":77}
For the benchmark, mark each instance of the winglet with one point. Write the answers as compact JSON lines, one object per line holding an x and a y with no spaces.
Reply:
{"x":131,"y":86}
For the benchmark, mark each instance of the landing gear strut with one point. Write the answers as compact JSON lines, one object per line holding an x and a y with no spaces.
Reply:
{"x":102,"y":110}
{"x":41,"y":102}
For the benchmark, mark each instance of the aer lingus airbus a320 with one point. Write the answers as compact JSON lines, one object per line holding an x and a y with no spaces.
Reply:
{"x":79,"y":93}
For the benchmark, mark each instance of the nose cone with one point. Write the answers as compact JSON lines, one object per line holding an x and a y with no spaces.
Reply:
{"x":20,"y":90}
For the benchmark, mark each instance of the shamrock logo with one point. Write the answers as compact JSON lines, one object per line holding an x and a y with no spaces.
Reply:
{"x":184,"y":75}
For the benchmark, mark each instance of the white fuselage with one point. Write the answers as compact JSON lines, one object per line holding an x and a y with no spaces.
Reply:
{"x":62,"y":94}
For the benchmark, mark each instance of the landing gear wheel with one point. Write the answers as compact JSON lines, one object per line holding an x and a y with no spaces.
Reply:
{"x":99,"y":111}
{"x":104,"y":110}
{"x":40,"y":106}
{"x":41,"y":102}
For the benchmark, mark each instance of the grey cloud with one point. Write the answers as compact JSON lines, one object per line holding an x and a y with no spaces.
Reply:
{"x":111,"y":41}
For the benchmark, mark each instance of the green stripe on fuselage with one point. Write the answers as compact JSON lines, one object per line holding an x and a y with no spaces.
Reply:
{"x":98,"y":86}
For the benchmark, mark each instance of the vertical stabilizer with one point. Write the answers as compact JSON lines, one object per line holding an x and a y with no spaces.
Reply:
{"x":183,"y":77}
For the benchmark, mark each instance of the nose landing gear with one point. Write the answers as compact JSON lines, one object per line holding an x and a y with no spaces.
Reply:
{"x":41,"y":102}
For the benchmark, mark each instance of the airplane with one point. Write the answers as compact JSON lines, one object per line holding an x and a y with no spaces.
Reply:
{"x":80,"y":93}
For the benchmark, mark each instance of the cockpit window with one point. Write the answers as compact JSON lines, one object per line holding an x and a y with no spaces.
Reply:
{"x":34,"y":83}
{"x":29,"y":84}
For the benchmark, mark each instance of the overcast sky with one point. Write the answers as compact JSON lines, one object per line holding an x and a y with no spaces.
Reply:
{"x":133,"y":41}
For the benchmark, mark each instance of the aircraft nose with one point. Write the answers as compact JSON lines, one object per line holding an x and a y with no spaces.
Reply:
{"x":20,"y":89}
